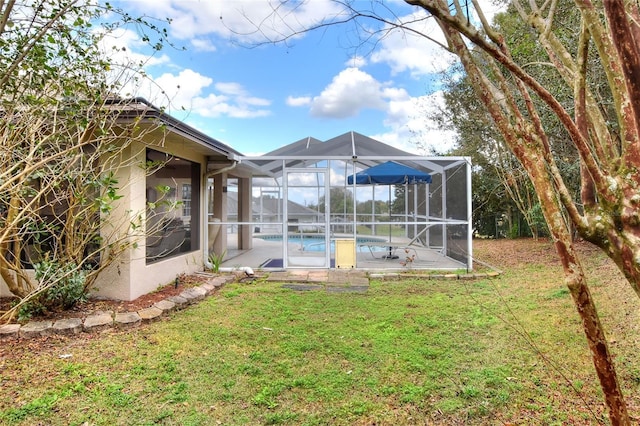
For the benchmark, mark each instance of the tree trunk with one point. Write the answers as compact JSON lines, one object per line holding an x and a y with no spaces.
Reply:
{"x":594,"y":333}
{"x":584,"y":303}
{"x":527,"y":140}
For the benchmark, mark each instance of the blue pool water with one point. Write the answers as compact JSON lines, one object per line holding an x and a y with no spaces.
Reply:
{"x":316,"y":242}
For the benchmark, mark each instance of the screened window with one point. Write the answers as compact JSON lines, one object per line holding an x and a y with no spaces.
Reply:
{"x":172,"y":206}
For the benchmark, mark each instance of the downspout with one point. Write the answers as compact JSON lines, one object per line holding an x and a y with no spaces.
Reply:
{"x":247,"y":270}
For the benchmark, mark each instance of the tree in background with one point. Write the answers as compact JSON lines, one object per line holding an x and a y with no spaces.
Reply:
{"x":341,"y":200}
{"x":502,"y":190}
{"x":479,"y":138}
{"x":62,"y":138}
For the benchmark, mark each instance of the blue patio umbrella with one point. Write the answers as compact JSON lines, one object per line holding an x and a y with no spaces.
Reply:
{"x":390,"y":173}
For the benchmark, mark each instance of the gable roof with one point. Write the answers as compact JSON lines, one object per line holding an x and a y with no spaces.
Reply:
{"x":346,"y":147}
{"x":353,"y":144}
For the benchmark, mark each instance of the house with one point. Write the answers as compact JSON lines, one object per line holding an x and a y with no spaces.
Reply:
{"x":188,"y":162}
{"x":200,"y":196}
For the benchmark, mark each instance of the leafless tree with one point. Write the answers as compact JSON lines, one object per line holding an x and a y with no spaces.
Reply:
{"x":64,"y":133}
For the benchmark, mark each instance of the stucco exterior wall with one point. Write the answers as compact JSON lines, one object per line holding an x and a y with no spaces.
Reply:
{"x":4,"y":291}
{"x":130,"y":276}
{"x":128,"y":280}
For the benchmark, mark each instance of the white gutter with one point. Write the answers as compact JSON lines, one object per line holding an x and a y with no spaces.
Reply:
{"x":222,"y":170}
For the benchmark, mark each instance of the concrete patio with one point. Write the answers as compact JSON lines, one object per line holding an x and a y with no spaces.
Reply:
{"x":367,"y":259}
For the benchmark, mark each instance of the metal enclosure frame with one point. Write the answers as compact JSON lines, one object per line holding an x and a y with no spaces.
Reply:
{"x":434,"y":217}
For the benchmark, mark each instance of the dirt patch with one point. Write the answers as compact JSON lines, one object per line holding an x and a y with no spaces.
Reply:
{"x":507,"y":253}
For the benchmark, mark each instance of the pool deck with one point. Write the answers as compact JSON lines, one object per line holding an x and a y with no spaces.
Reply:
{"x":367,"y":259}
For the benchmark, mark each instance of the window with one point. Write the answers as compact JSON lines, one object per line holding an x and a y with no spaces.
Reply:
{"x":172,"y":206}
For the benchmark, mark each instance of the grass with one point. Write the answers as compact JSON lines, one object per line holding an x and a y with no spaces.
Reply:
{"x":382,"y":230}
{"x":507,"y":350}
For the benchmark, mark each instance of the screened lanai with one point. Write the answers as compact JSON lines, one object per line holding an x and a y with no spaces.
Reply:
{"x":312,"y":207}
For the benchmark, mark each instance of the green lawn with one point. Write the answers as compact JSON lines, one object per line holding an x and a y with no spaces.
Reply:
{"x":505,"y":350}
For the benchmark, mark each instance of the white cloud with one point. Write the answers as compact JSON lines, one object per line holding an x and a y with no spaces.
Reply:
{"x":221,"y":105}
{"x":411,"y":129}
{"x":251,"y":21}
{"x":241,"y":96}
{"x":129,"y":58}
{"x":124,"y":47}
{"x":406,"y":116}
{"x":298,"y":101}
{"x":349,"y":92}
{"x":231,"y":89}
{"x":419,"y":49}
{"x":203,"y":45}
{"x":356,"y":62}
{"x":183,"y":87}
{"x":404,"y":50}
{"x":233,"y":101}
{"x":187,"y":90}
{"x":352,"y":90}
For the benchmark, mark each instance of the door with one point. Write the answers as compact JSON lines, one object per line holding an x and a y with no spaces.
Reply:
{"x":307,"y":240}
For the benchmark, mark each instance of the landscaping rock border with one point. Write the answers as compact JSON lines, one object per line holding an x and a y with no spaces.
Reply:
{"x":100,"y":320}
{"x":395,"y":276}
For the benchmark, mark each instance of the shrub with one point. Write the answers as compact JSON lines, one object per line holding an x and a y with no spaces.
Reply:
{"x":64,"y":287}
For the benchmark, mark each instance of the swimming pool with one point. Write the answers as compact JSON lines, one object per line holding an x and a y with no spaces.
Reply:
{"x":316,"y":242}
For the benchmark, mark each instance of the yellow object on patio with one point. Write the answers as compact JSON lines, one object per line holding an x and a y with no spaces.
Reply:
{"x":345,"y":253}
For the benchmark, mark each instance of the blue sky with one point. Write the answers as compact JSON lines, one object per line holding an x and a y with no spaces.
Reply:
{"x":257,"y":97}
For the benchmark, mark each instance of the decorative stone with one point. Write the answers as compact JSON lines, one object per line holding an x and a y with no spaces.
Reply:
{"x":208,"y":288}
{"x":127,"y":319}
{"x":467,"y":277}
{"x":303,"y":287}
{"x":317,"y":278}
{"x":360,"y":281}
{"x":218,"y":281}
{"x":9,"y":331}
{"x":347,"y":289}
{"x":36,"y":329}
{"x":98,"y":321}
{"x":150,"y":314}
{"x":193,"y":294}
{"x":190,"y":298}
{"x":179,"y":301}
{"x":68,"y":326}
{"x":165,"y":305}
{"x":438,"y":277}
